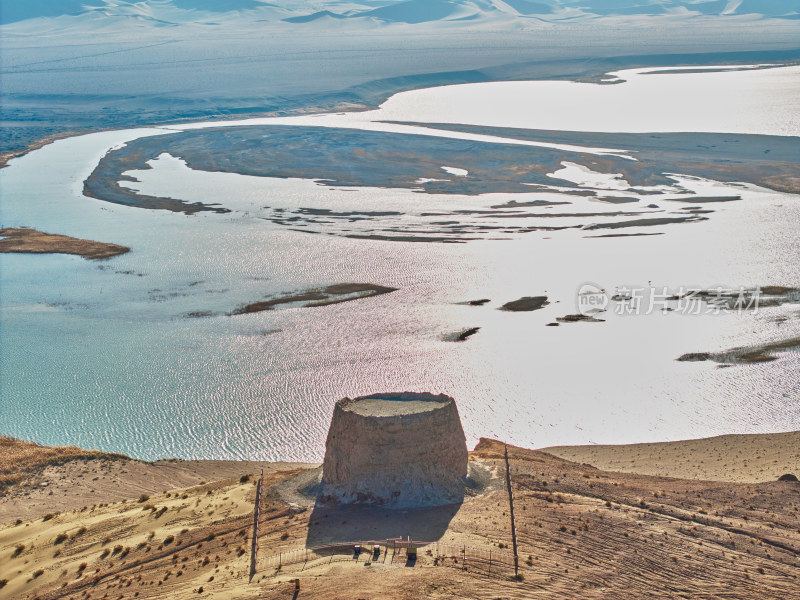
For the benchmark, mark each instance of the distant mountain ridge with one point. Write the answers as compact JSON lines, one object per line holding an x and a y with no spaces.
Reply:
{"x":388,"y":11}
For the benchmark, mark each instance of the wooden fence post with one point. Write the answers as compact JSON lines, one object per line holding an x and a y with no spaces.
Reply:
{"x":511,"y":510}
{"x":256,"y":515}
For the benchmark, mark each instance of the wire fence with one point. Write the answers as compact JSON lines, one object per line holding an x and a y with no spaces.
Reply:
{"x":492,"y":562}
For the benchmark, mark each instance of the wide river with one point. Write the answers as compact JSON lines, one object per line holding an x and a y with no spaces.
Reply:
{"x":102,"y":355}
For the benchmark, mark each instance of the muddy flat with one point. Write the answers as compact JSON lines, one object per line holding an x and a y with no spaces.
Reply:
{"x":332,"y":294}
{"x":31,"y":241}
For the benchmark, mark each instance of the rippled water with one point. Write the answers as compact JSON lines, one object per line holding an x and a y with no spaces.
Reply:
{"x":101,"y":354}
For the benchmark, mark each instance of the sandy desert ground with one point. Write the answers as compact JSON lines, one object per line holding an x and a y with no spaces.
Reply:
{"x":104,"y":526}
{"x":736,"y":458}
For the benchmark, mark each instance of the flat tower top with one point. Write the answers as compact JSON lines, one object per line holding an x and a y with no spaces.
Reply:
{"x":392,"y":405}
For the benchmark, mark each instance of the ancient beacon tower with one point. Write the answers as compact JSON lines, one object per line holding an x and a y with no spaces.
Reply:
{"x":398,"y":449}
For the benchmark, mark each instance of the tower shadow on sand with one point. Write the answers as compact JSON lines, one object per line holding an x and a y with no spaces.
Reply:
{"x":333,"y":523}
{"x":396,"y":465}
{"x":352,"y":522}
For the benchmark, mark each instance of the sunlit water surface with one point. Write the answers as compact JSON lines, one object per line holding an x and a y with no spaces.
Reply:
{"x":102,"y":354}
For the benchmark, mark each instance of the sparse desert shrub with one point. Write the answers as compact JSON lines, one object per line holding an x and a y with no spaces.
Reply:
{"x":105,"y":553}
{"x":285,"y":535}
{"x":38,"y":573}
{"x":240,"y":551}
{"x":244,"y":478}
{"x":82,"y":567}
{"x":18,"y":549}
{"x":200,"y":590}
{"x":61,"y":537}
{"x":80,"y":531}
{"x":169,"y":539}
{"x":144,"y":498}
{"x":117,"y":549}
{"x":210,"y":537}
{"x":49,"y":516}
{"x":3,"y":583}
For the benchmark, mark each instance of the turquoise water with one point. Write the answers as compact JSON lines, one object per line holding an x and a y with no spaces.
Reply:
{"x":101,"y":353}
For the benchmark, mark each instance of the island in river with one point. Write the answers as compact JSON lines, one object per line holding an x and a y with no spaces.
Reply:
{"x":27,"y":240}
